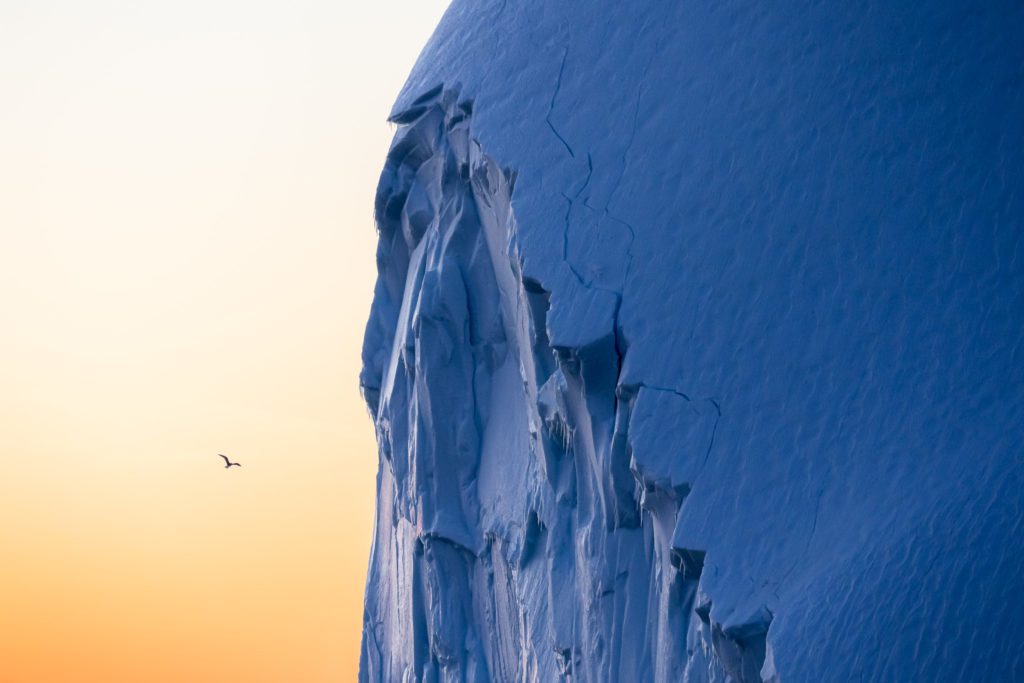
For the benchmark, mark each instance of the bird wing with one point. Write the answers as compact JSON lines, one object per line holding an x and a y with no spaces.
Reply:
{"x":225,"y":458}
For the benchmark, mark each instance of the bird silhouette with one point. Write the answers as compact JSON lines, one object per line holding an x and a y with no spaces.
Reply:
{"x":228,"y":463}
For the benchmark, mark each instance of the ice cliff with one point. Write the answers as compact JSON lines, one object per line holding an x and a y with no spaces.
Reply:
{"x":697,"y":347}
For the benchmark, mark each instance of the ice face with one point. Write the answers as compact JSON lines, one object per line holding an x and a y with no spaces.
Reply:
{"x":695,"y":351}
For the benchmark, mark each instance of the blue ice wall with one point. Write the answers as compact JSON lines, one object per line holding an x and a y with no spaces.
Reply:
{"x":698,"y":346}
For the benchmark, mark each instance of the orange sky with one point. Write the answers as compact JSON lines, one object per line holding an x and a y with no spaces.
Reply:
{"x":186,"y":266}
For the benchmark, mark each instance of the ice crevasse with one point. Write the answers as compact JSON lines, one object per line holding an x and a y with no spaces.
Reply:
{"x":697,"y":346}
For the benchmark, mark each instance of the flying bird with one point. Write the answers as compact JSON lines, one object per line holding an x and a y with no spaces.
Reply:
{"x":228,"y":463}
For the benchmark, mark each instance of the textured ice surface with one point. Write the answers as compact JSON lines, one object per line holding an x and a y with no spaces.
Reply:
{"x":697,"y":350}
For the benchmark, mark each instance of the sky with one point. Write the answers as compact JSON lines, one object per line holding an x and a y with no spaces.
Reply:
{"x":186,"y":267}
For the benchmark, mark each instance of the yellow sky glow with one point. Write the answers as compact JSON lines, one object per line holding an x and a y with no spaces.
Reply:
{"x":186,"y":266}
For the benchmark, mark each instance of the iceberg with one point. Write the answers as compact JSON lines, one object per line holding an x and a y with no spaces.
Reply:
{"x":697,"y":346}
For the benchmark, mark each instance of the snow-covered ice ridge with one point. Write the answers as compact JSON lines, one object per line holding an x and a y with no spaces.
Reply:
{"x":696,"y":347}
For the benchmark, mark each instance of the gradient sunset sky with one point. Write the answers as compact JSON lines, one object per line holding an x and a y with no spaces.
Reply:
{"x":186,"y":266}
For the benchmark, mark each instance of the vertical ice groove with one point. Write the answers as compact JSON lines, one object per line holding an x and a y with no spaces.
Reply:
{"x":526,"y":506}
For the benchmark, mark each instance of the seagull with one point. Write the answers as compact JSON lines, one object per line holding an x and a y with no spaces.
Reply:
{"x":229,"y":464}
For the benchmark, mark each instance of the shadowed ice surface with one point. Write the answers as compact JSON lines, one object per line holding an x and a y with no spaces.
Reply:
{"x":696,"y":350}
